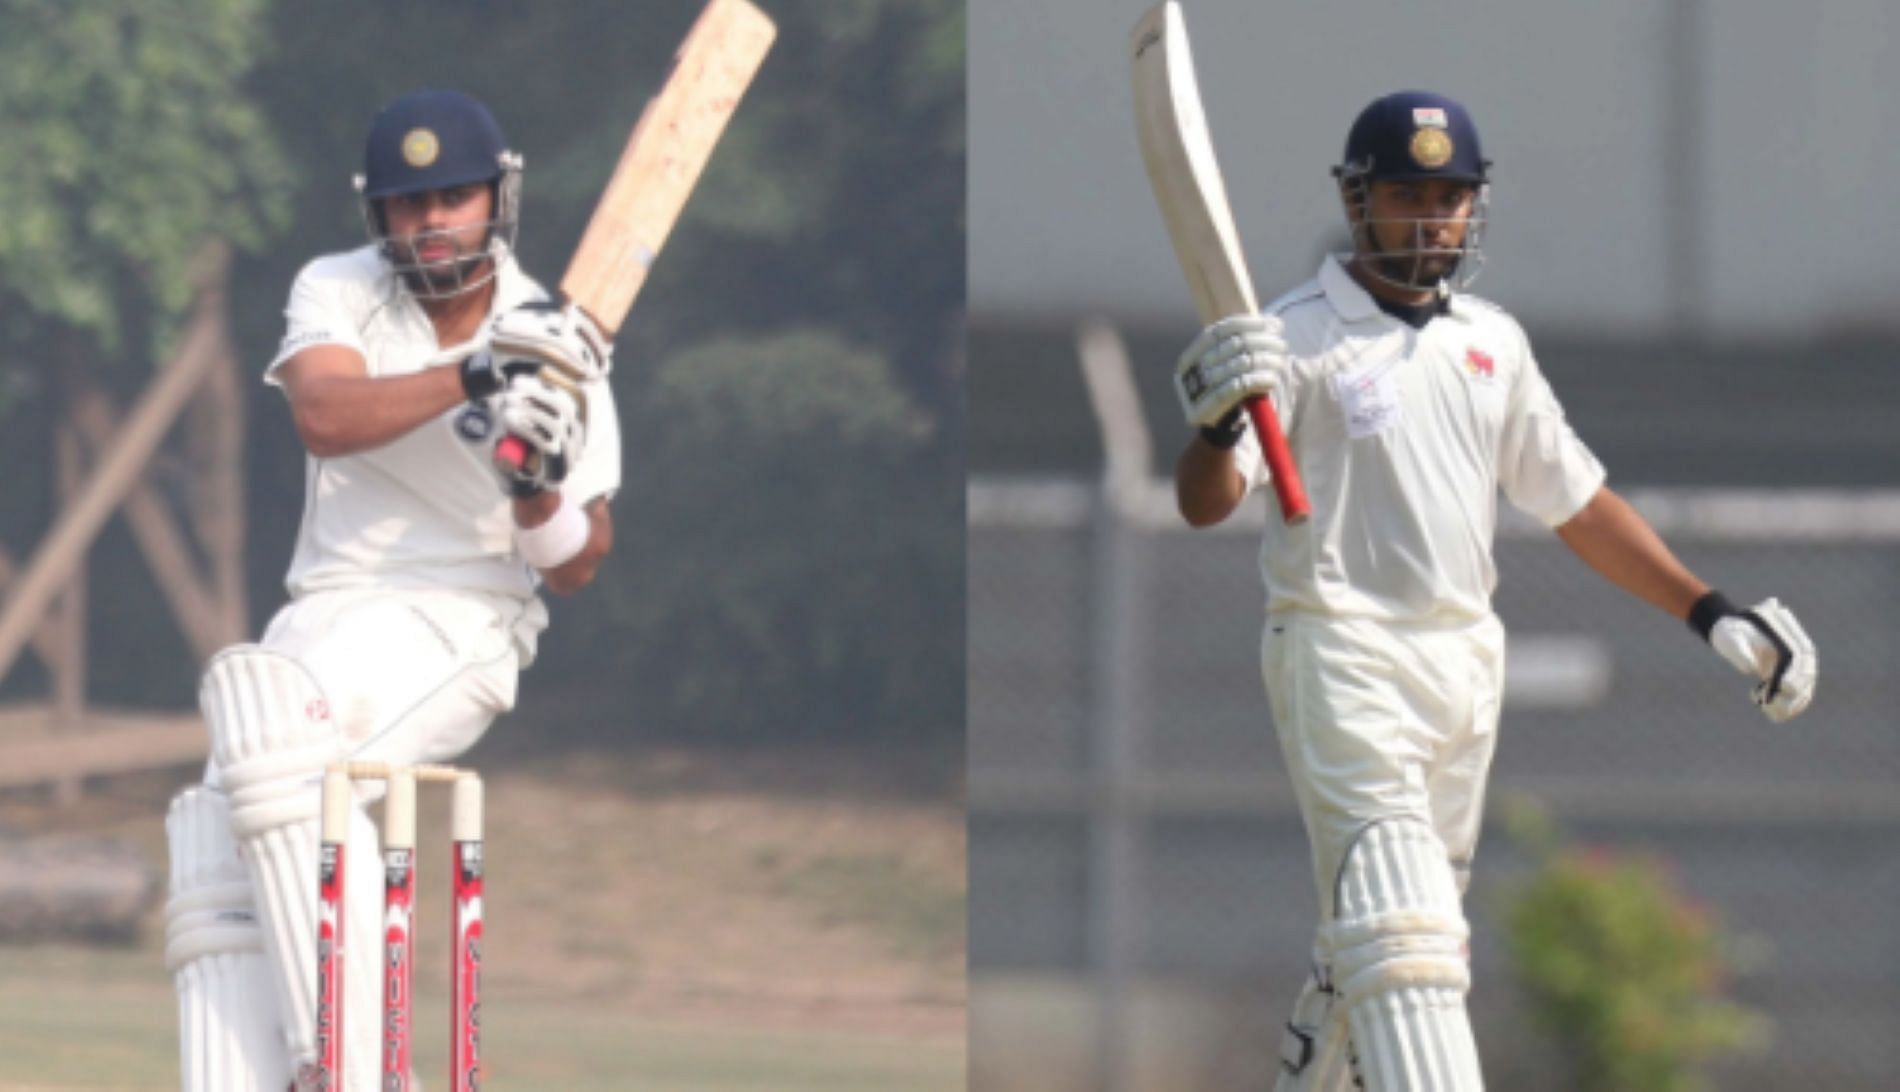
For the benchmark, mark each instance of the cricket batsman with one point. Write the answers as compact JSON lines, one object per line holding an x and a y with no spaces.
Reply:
{"x":1408,"y":404}
{"x":414,"y":583}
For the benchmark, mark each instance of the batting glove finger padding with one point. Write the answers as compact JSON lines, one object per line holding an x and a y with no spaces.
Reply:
{"x":1227,"y":363}
{"x":550,"y":417}
{"x":561,"y":338}
{"x":1768,"y":644}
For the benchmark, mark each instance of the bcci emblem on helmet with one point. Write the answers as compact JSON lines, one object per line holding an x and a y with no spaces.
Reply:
{"x":420,"y":148}
{"x":1431,"y":148}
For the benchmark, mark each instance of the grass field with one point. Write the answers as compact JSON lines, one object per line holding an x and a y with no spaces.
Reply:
{"x":663,"y":921}
{"x":77,"y":1019}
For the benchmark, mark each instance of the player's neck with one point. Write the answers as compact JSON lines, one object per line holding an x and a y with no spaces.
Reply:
{"x":459,"y":318}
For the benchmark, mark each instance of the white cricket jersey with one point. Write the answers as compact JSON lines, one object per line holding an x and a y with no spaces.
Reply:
{"x":424,"y":510}
{"x":1403,"y":438}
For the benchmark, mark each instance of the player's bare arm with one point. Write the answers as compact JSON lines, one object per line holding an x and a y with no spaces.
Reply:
{"x":1764,"y":642}
{"x":1612,"y":538}
{"x":577,"y":572}
{"x":436,"y":236}
{"x":1207,"y":485}
{"x":339,"y":409}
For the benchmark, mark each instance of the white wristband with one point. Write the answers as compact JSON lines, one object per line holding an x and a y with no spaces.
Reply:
{"x":556,"y":542}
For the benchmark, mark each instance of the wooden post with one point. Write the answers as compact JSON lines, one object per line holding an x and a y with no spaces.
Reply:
{"x":45,"y":641}
{"x":69,"y":674}
{"x":102,"y":461}
{"x":166,"y":550}
{"x":218,"y":499}
{"x":118,"y":471}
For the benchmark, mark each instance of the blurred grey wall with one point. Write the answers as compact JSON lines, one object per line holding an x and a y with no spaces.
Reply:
{"x":1723,"y":170}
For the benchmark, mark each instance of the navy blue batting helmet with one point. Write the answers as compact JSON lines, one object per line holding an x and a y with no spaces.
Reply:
{"x":1414,"y":134}
{"x":431,"y":140}
{"x":435,"y":140}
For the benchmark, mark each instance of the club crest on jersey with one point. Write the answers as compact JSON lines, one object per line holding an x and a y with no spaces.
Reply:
{"x":1479,"y":364}
{"x":1431,"y":148}
{"x":475,"y":424}
{"x":420,"y":147}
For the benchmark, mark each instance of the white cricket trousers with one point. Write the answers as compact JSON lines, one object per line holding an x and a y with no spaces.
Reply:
{"x":1378,"y":720}
{"x":411,"y":676}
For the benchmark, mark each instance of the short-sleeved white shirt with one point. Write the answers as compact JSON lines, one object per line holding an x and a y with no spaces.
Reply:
{"x":1403,"y":438}
{"x":424,"y":510}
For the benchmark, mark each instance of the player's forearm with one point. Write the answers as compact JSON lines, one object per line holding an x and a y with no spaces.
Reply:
{"x":342,"y":415}
{"x":1207,"y":487}
{"x":578,"y":571}
{"x":1614,"y":540}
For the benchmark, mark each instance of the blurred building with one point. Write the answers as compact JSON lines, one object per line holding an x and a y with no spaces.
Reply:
{"x":1661,"y":167}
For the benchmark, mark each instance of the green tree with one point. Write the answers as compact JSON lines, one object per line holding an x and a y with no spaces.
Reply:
{"x":128,"y":147}
{"x":767,"y":593}
{"x":126,"y":144}
{"x":1624,"y":970}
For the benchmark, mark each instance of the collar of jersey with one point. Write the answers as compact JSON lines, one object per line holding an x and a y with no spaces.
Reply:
{"x":512,"y":286}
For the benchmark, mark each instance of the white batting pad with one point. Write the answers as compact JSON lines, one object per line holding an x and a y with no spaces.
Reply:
{"x":1316,"y":1051}
{"x":228,"y":1032}
{"x":272,"y":734}
{"x":283,"y":864}
{"x":1398,"y":963}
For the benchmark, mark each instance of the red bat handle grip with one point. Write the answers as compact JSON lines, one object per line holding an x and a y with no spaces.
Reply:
{"x":1286,"y":477}
{"x":511,"y":453}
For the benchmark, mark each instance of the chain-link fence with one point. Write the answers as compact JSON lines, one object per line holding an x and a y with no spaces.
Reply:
{"x":1141,"y":901}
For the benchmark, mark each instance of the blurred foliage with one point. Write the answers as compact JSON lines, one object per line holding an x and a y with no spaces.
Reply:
{"x":1624,"y":969}
{"x":751,"y":570}
{"x":125,"y":146}
{"x":790,"y":531}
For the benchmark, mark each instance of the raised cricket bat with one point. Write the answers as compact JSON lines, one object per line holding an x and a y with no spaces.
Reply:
{"x":1187,"y":182}
{"x":670,"y":145}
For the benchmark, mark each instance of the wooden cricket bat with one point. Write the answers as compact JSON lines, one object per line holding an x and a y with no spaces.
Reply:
{"x":670,"y":145}
{"x":671,"y":142}
{"x":1179,"y":153}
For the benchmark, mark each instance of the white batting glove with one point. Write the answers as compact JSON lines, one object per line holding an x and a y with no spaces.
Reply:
{"x":1227,"y":363}
{"x":1765,"y":643}
{"x":551,"y":421}
{"x":560,"y":344}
